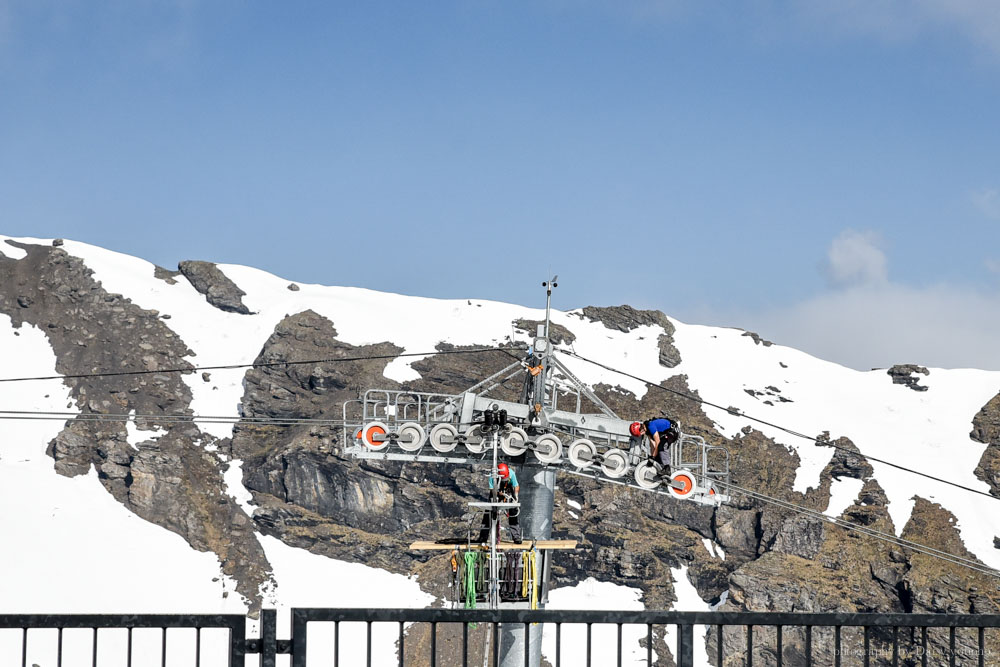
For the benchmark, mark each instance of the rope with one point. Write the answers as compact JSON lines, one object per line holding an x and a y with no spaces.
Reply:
{"x":529,"y":580}
{"x":469,"y":559}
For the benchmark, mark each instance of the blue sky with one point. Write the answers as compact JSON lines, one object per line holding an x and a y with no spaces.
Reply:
{"x":825,"y":173}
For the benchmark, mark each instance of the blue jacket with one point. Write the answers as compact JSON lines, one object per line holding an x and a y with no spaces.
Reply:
{"x":658,"y":426}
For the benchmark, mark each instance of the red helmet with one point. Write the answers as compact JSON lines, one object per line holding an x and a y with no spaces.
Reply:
{"x":503,"y":470}
{"x":635,"y":429}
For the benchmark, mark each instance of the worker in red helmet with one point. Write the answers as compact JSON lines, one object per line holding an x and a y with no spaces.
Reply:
{"x":508,"y":491}
{"x":662,"y":433}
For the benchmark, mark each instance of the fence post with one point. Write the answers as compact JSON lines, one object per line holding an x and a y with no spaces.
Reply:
{"x":299,"y":638}
{"x":685,"y":645}
{"x":268,"y":637}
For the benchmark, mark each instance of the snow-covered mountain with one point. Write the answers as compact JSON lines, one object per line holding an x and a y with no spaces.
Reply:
{"x":155,"y":515}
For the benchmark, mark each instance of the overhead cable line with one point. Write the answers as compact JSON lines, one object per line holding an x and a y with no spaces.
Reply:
{"x":846,"y":525}
{"x":268,"y":364}
{"x":871,"y":532}
{"x":740,"y":413}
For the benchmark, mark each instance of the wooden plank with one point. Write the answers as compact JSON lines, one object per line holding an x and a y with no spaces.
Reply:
{"x":527,"y":544}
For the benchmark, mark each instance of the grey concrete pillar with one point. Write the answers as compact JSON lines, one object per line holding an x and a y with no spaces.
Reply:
{"x":538,"y":488}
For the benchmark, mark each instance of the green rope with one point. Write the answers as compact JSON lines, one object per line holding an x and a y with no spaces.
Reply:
{"x":469,"y":577}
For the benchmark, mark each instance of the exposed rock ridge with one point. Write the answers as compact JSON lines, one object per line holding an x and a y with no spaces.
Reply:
{"x":169,"y":479}
{"x":626,"y":318}
{"x":218,"y":289}
{"x":558,"y":334}
{"x":904,"y":374}
{"x":986,"y":429}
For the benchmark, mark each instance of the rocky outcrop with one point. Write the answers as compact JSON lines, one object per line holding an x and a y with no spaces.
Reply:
{"x":905,"y":374}
{"x":986,"y":429}
{"x":627,"y":318}
{"x":218,"y":289}
{"x":170,"y":480}
{"x":558,"y":334}
{"x":757,"y":339}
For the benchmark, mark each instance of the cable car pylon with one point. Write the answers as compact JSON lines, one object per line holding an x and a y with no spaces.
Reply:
{"x":539,"y":437}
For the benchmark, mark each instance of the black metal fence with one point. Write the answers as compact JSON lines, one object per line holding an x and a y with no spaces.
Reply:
{"x":406,"y":637}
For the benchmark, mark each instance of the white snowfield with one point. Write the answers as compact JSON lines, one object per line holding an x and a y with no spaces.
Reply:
{"x":928,"y":431}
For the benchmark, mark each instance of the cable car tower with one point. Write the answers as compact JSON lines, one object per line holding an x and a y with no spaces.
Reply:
{"x":539,"y":436}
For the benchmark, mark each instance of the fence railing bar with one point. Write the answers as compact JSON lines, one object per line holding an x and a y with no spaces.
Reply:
{"x":368,"y":644}
{"x":496,"y":643}
{"x":465,"y":645}
{"x":778,"y":646}
{"x":982,"y":647}
{"x":619,"y":645}
{"x":749,"y":645}
{"x":588,"y":644}
{"x":558,"y":644}
{"x":923,"y":647}
{"x":434,"y":644}
{"x":59,"y":651}
{"x":197,"y":647}
{"x":895,"y":646}
{"x":718,"y":646}
{"x":527,"y":644}
{"x":93,"y":644}
{"x":402,"y":640}
{"x":951,"y":646}
{"x":129,"y":662}
{"x":809,"y":646}
{"x":868,"y":650}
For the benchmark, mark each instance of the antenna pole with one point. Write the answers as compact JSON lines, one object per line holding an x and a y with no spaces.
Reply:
{"x":548,"y":285}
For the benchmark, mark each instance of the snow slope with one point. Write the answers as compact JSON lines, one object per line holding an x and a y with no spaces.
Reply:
{"x":113,"y":551}
{"x":926,"y":430}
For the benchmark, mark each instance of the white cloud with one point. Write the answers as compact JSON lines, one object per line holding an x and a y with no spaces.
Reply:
{"x":854,"y":258}
{"x":988,"y":202}
{"x":866,"y":321}
{"x":874,"y":327}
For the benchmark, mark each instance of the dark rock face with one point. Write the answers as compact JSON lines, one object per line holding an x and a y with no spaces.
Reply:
{"x":904,"y":374}
{"x":757,"y":339}
{"x":626,"y":318}
{"x":170,"y":480}
{"x":558,"y":334}
{"x":986,"y":429}
{"x":218,"y":289}
{"x":169,"y":277}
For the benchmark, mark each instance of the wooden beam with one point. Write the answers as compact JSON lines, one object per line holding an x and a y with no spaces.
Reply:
{"x":527,"y":544}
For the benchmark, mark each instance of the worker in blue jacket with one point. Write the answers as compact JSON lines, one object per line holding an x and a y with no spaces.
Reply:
{"x":662,"y":433}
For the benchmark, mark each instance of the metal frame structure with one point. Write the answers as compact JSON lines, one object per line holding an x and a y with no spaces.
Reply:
{"x":468,"y":427}
{"x":882,"y":639}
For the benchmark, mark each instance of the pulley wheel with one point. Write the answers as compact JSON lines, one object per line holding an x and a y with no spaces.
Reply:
{"x":581,"y":453}
{"x":548,"y":448}
{"x":514,"y":443}
{"x":369,"y":432}
{"x":615,"y":463}
{"x":474,"y":440}
{"x":685,"y":479}
{"x":646,"y":475}
{"x":411,"y":437}
{"x":443,"y":438}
